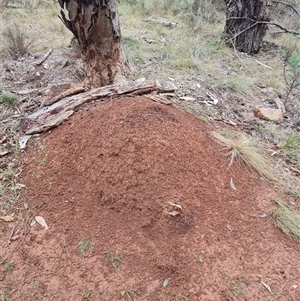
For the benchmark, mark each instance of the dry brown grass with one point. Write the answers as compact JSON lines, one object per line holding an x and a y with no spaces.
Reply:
{"x":287,"y":220}
{"x":245,"y":151}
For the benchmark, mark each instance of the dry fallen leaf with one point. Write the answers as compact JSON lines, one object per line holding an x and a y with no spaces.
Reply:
{"x":232,"y":185}
{"x":41,"y":221}
{"x":266,"y":286}
{"x":176,"y":205}
{"x":7,"y":218}
{"x":166,"y":282}
{"x":173,"y":213}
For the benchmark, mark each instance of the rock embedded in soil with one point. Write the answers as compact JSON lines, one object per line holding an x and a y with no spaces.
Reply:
{"x":269,"y":114}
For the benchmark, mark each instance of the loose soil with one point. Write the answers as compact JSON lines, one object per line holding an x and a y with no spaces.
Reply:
{"x":147,"y":190}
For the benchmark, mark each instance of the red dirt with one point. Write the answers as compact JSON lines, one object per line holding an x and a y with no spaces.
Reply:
{"x":109,"y":175}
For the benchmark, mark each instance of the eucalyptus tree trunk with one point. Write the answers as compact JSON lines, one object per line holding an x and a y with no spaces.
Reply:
{"x":95,"y":24}
{"x":246,"y":24}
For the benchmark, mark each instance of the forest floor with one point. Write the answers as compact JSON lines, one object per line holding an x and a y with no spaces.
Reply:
{"x":137,"y":195}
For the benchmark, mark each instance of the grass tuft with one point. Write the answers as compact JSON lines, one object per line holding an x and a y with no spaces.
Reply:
{"x":84,"y":246}
{"x":244,"y":150}
{"x":287,"y":220}
{"x":115,"y":258}
{"x":9,"y":98}
{"x":291,"y":148}
{"x":8,"y":266}
{"x":16,"y":40}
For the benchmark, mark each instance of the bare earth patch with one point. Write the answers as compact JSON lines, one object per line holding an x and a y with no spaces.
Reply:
{"x":139,"y":205}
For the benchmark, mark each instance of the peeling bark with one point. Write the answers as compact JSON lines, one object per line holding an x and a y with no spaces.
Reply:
{"x":95,"y":24}
{"x":246,"y":25}
{"x":64,"y":105}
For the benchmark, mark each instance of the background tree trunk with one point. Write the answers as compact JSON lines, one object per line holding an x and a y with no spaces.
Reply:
{"x":242,"y":29}
{"x":95,"y":24}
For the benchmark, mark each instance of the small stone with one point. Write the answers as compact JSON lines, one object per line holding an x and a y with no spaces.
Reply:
{"x":269,"y":114}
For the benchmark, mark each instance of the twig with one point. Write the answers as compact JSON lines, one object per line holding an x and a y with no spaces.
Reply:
{"x":258,"y":62}
{"x":64,"y":242}
{"x":44,"y":58}
{"x":12,"y":232}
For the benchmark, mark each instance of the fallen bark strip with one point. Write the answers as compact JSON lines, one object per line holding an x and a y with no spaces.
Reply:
{"x":64,"y":105}
{"x":51,"y":123}
{"x":159,"y":99}
{"x":69,"y":92}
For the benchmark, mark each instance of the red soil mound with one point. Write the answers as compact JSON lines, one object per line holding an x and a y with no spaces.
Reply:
{"x":116,"y":177}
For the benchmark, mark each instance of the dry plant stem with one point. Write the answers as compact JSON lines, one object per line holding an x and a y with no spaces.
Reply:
{"x":12,"y":232}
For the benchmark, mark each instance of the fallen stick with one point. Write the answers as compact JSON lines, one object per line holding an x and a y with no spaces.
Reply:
{"x":44,"y":58}
{"x":163,"y":23}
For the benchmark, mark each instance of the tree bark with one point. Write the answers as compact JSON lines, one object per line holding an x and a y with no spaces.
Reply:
{"x":95,"y":24}
{"x":246,"y":25}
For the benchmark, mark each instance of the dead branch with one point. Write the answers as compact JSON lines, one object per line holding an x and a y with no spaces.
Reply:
{"x":294,"y":32}
{"x":288,"y":5}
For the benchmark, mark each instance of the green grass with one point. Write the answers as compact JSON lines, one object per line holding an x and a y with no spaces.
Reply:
{"x":287,"y":220}
{"x":84,"y":246}
{"x":8,"y":266}
{"x":291,"y":148}
{"x":4,"y":297}
{"x":129,"y":294}
{"x":115,"y":258}
{"x":9,"y":98}
{"x":239,"y":84}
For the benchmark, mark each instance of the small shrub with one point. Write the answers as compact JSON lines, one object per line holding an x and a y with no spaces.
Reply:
{"x":16,"y":40}
{"x":291,"y":148}
{"x":291,"y":69}
{"x":9,"y":98}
